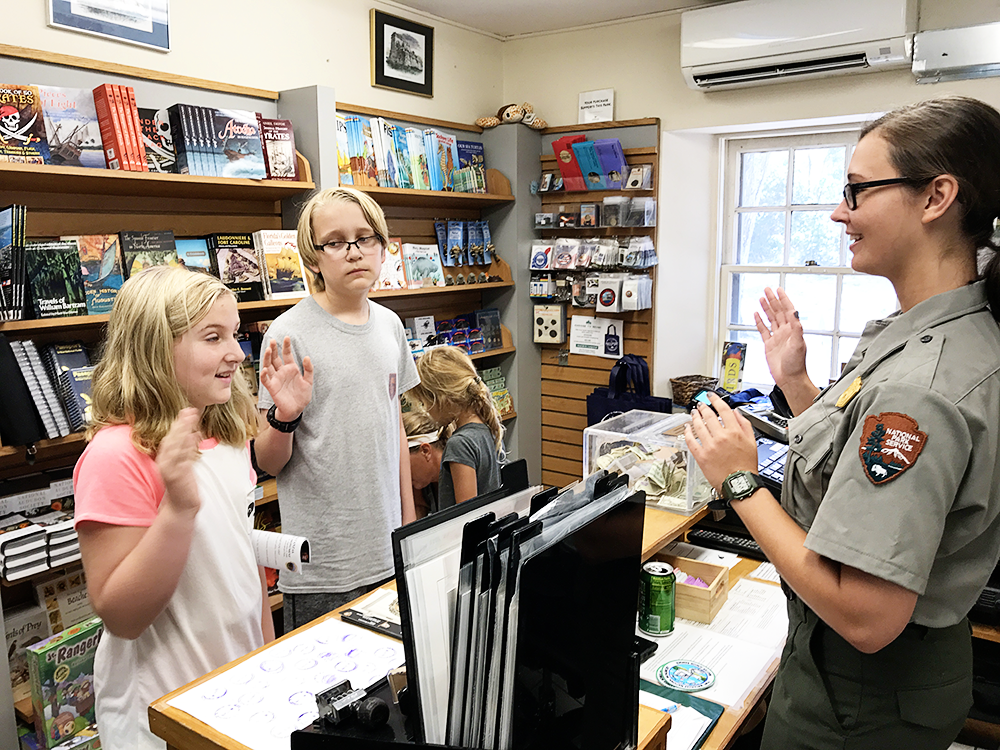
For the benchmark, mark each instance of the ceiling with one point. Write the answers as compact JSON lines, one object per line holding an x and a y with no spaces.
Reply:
{"x":508,"y":18}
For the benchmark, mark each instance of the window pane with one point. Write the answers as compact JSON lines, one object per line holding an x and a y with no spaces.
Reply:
{"x":845,"y":349}
{"x":755,"y":369}
{"x":814,"y":296}
{"x":762,"y":238}
{"x":748,"y":288}
{"x":818,"y":351}
{"x":814,"y":237}
{"x":865,"y":298}
{"x":818,"y":175}
{"x":763,"y":178}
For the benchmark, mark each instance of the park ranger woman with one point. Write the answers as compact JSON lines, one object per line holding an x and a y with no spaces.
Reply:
{"x":888,"y":525}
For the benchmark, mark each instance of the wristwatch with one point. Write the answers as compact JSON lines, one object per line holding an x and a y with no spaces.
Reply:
{"x":277,"y":424}
{"x":737,"y":486}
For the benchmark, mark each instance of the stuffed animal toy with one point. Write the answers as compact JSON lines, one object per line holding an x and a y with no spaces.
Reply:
{"x":512,"y":113}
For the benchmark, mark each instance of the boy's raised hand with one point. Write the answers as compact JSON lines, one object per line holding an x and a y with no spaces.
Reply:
{"x":175,"y":459}
{"x":290,"y":389}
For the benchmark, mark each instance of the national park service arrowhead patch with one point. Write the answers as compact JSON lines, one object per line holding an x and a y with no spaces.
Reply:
{"x":890,"y":444}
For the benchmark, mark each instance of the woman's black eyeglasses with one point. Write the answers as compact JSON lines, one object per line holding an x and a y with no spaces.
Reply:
{"x":851,"y":189}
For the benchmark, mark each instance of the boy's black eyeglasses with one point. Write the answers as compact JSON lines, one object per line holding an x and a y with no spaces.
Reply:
{"x":851,"y":189}
{"x":339,"y":248}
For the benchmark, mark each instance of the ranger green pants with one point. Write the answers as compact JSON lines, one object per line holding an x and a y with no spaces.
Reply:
{"x":914,"y":694}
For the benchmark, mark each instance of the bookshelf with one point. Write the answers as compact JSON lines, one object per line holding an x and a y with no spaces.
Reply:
{"x":566,"y":381}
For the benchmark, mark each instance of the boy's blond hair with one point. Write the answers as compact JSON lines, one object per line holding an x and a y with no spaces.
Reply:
{"x":135,"y":382}
{"x":372,"y":211}
{"x":448,"y":376}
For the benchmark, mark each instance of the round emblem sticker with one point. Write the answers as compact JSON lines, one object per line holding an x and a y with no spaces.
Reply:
{"x":608,"y":297}
{"x":689,"y":676}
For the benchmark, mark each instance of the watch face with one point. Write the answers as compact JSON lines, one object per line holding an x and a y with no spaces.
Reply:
{"x":740,"y":484}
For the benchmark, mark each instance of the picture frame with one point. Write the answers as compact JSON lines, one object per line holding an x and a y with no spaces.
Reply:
{"x":402,"y":54}
{"x":145,"y":24}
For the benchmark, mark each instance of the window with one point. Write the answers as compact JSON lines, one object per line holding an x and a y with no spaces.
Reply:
{"x":778,"y":197}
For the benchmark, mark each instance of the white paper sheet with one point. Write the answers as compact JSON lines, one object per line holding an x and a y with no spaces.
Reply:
{"x":738,"y":645}
{"x":686,"y":724}
{"x":262,"y":700}
{"x":765,"y":572}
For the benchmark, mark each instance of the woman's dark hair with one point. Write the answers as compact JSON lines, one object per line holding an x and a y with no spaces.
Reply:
{"x":960,"y":136}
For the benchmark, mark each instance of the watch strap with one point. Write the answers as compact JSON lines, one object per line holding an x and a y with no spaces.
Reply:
{"x":278,"y":424}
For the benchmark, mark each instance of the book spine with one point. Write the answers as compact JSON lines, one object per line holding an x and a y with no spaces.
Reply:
{"x":181,"y":164}
{"x":126,"y":129}
{"x":263,"y":146}
{"x":213,"y":148}
{"x":107,"y":121}
{"x":133,"y":111}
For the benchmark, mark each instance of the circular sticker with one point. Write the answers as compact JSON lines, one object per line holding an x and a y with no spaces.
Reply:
{"x":608,"y":297}
{"x":689,"y":676}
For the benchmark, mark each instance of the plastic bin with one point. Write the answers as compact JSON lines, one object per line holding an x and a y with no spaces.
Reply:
{"x":650,"y":448}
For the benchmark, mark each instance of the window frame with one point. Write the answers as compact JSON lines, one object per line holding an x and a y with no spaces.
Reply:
{"x":731,"y":149}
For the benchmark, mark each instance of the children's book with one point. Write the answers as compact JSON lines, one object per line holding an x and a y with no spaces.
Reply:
{"x":471,"y":154}
{"x":278,"y":141}
{"x":422,"y":264}
{"x":61,"y":670}
{"x":56,"y":280}
{"x":141,"y":250}
{"x":282,"y":264}
{"x":158,"y":139}
{"x":235,"y":138}
{"x":22,"y":126}
{"x":193,"y":254}
{"x":404,"y":168}
{"x":71,"y":127}
{"x":447,"y":157}
{"x":418,"y":159}
{"x":343,"y":152}
{"x":392,"y":275}
{"x":101,"y":267}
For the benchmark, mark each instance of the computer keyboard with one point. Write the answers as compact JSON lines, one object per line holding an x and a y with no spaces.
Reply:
{"x":771,"y":457}
{"x":742,"y":546}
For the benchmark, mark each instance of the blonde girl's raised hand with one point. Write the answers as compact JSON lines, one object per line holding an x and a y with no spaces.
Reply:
{"x":290,"y":388}
{"x":175,"y":459}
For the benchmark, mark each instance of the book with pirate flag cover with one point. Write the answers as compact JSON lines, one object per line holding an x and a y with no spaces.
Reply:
{"x":22,"y":126}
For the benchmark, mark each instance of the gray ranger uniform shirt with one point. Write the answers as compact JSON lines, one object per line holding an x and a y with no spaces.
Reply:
{"x":902,"y":479}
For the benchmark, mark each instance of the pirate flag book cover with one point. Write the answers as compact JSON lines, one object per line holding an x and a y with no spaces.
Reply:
{"x":22,"y":127}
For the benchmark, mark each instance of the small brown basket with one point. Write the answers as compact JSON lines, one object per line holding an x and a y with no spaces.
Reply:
{"x":685,"y":387}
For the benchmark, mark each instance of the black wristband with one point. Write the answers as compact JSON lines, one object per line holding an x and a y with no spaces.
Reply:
{"x":279,"y":425}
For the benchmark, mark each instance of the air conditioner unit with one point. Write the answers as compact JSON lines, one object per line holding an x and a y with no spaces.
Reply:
{"x":755,"y":42}
{"x":956,"y":54}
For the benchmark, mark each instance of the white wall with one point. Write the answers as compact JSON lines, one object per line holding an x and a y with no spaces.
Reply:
{"x":285,"y":45}
{"x":640,"y":60}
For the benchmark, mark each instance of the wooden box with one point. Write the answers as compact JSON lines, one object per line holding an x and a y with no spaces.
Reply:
{"x":694,"y":602}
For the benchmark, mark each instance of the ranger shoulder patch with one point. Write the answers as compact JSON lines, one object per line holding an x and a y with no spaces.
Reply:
{"x":890,"y":444}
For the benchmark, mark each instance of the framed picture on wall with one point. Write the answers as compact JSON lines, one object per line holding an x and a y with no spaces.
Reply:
{"x":402,"y":54}
{"x":142,"y":22}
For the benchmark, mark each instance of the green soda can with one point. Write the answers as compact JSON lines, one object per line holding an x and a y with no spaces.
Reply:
{"x":656,"y":598}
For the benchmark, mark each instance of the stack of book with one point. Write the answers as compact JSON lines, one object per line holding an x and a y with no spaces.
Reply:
{"x":36,"y":524}
{"x":121,"y":133}
{"x":591,"y":165}
{"x":374,"y":152}
{"x":104,"y":128}
{"x":13,"y":273}
{"x":58,"y":378}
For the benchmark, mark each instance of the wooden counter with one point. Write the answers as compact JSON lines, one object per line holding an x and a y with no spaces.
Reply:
{"x":181,"y":731}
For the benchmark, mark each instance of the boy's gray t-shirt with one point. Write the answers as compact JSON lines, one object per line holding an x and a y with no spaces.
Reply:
{"x":340,"y":488}
{"x":473,"y":445}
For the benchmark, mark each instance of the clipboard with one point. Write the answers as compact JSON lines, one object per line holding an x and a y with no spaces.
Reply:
{"x":706,"y":708}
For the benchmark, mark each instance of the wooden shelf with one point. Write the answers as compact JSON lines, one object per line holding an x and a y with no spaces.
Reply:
{"x":434,"y":198}
{"x":508,"y":416}
{"x":81,"y":180}
{"x":276,"y":601}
